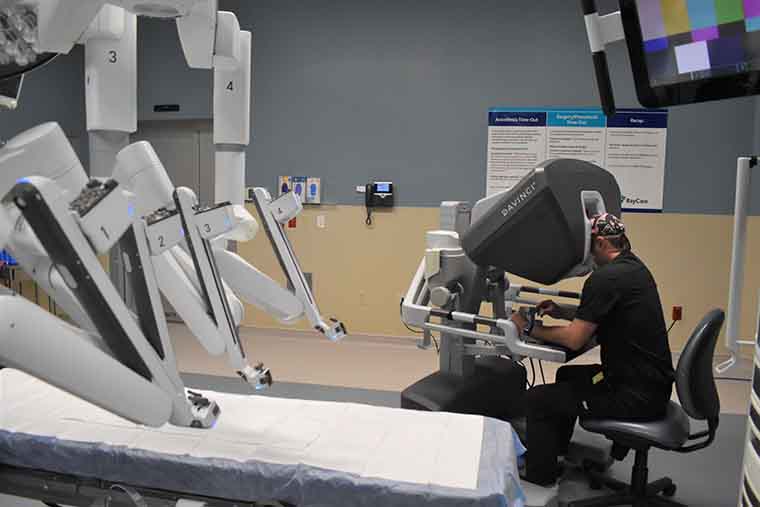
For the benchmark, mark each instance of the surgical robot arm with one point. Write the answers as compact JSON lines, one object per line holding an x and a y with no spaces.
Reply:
{"x":58,"y":25}
{"x":210,"y":39}
{"x":274,"y":214}
{"x":41,"y":29}
{"x":233,"y":78}
{"x":192,"y":283}
{"x":232,"y":118}
{"x":127,"y":351}
{"x":213,"y":40}
{"x":44,"y":346}
{"x":40,"y":151}
{"x":104,"y":214}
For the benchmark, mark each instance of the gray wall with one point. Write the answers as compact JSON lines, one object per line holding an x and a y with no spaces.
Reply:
{"x":354,"y":90}
{"x":398,"y":89}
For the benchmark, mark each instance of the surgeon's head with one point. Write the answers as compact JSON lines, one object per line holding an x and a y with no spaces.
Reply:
{"x":608,"y":239}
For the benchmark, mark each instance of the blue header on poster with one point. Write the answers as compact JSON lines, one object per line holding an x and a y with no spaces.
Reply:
{"x":587,"y":117}
{"x":517,"y":118}
{"x":639,"y":119}
{"x":577,"y":118}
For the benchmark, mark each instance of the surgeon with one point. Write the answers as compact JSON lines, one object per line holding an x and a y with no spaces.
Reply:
{"x":619,"y":305}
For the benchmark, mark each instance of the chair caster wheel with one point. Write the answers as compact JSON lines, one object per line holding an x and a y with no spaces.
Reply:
{"x":670,"y":491}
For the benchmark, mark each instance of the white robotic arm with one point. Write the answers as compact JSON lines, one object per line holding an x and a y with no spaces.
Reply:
{"x":45,"y":151}
{"x":185,"y":262}
{"x":41,"y":151}
{"x":55,"y":222}
{"x":140,"y":170}
{"x":126,"y":347}
{"x":76,"y":363}
{"x":256,"y":288}
{"x":192,"y":283}
{"x":232,"y":125}
{"x":56,"y":26}
{"x":210,"y":39}
{"x":201,"y":226}
{"x":274,"y":214}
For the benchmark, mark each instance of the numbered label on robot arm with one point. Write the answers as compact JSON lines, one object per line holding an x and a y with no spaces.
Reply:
{"x":164,"y":231}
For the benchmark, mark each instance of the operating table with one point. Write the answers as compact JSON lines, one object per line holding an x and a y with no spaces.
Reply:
{"x":59,"y":449}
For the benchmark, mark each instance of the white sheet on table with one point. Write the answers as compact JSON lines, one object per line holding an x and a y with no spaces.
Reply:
{"x":384,"y":443}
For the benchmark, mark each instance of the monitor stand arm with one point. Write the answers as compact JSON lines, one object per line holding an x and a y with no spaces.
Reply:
{"x":602,"y":30}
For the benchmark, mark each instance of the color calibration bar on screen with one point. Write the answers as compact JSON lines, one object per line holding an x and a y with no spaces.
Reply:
{"x":686,"y":36}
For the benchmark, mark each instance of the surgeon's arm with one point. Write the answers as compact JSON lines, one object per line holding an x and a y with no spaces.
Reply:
{"x":598,"y":299}
{"x":574,"y":336}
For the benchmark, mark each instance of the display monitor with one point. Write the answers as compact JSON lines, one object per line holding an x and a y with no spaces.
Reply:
{"x":687,"y":51}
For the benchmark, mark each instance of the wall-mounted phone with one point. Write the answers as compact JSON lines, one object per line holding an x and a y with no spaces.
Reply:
{"x":378,"y":194}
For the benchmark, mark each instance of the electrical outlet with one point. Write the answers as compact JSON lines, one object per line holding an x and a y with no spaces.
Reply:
{"x":677,"y":313}
{"x":361,"y":189}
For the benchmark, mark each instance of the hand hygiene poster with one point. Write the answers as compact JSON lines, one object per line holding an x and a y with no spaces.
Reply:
{"x":631,"y":145}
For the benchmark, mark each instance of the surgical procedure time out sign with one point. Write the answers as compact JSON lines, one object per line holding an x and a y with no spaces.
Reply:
{"x":631,"y":145}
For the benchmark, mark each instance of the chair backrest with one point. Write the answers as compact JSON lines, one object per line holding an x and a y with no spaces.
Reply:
{"x":694,"y":376}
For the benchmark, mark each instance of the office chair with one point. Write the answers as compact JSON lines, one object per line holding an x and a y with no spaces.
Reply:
{"x":699,"y":400}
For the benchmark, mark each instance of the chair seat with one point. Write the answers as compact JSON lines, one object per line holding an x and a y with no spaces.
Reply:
{"x":670,"y":432}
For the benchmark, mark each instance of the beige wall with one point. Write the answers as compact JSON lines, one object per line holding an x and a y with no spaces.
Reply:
{"x":360,"y":272}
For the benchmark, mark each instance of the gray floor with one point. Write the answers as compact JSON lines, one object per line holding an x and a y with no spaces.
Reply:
{"x":293,"y":390}
{"x":709,"y":478}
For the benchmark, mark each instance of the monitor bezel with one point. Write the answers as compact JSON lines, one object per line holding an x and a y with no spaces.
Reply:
{"x":703,"y":90}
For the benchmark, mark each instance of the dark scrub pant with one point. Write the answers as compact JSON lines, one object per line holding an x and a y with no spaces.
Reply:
{"x":552,"y":410}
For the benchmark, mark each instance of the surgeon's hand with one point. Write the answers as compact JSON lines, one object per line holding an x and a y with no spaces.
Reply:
{"x":519,"y":320}
{"x":550,"y":308}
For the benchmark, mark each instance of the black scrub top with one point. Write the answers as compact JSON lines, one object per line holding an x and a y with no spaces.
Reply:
{"x":622,"y":299}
